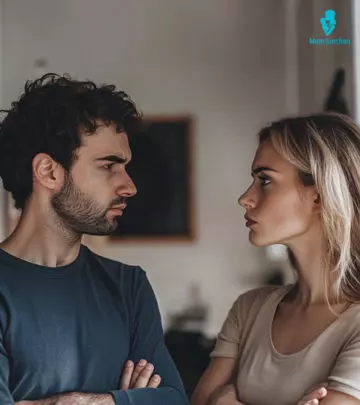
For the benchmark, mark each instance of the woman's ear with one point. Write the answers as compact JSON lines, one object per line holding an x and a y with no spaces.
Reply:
{"x":317,"y":203}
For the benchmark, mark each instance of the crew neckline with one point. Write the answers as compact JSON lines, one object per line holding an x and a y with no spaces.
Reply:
{"x":58,"y":271}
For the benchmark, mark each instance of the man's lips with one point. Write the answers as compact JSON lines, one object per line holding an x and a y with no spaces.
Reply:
{"x":118,"y":209}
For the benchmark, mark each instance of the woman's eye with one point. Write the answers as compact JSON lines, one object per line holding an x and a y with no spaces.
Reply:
{"x":264,"y":180}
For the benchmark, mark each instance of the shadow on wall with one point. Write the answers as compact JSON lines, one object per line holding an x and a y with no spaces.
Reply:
{"x":335,"y":101}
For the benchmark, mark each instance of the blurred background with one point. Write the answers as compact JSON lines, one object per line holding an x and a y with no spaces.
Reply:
{"x":232,"y":66}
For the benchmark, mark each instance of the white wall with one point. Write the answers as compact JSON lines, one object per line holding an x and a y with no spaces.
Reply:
{"x":222,"y":61}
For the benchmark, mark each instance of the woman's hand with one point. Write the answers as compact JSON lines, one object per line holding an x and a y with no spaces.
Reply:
{"x":314,"y":396}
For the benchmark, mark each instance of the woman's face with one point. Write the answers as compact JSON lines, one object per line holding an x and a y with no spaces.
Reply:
{"x":279,"y":208}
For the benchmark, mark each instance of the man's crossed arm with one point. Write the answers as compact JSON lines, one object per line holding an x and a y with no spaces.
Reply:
{"x":132,"y":377}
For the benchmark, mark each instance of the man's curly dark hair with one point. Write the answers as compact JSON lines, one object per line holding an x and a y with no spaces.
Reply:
{"x":48,"y":119}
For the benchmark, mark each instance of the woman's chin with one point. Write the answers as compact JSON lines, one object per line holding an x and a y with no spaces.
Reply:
{"x":258,"y":241}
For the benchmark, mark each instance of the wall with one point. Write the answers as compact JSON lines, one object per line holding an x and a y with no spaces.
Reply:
{"x":222,"y":61}
{"x":317,"y":64}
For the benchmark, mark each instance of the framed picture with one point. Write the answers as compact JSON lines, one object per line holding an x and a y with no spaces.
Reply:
{"x":161,"y":168}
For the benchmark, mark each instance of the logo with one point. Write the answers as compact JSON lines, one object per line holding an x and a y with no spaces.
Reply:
{"x":328,"y":22}
{"x":328,"y":25}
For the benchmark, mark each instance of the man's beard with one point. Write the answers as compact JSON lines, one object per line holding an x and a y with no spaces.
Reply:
{"x":79,"y":213}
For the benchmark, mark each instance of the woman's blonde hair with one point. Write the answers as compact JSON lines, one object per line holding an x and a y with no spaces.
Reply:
{"x":325,"y":148}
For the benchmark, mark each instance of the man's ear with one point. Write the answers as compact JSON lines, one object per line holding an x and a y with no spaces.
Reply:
{"x":47,"y":172}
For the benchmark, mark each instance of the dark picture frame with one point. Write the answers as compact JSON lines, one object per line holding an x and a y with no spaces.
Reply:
{"x":162,"y":170}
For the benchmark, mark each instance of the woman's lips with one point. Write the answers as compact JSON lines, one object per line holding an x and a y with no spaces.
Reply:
{"x":249,"y":222}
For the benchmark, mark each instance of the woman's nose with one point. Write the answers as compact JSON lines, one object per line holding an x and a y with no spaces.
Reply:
{"x":246,"y":201}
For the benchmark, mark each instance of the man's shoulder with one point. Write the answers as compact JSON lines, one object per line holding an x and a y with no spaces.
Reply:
{"x":115,"y":268}
{"x":112,"y":263}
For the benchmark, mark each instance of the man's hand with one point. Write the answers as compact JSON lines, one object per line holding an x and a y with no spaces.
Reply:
{"x":139,"y":376}
{"x":132,"y":377}
{"x":314,"y":396}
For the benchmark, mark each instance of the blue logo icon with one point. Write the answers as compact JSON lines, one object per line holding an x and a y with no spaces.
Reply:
{"x":328,"y":22}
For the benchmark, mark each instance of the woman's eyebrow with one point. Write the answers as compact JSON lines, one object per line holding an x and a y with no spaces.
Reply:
{"x":259,"y":169}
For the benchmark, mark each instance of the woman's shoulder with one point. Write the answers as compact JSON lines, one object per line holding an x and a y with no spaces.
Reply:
{"x":252,"y":300}
{"x":350,"y":320}
{"x":263,"y":293}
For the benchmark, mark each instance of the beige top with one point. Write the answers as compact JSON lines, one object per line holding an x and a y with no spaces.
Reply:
{"x":266,"y":376}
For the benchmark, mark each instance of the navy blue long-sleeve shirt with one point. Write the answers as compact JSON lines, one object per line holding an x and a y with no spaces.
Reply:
{"x":72,"y":329}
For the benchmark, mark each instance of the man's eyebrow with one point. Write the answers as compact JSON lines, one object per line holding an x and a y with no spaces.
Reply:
{"x":259,"y":169}
{"x":112,"y":158}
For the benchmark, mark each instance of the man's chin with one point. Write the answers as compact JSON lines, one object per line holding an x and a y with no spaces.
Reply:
{"x":105,"y":232}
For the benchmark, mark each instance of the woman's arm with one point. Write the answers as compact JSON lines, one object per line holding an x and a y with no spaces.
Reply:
{"x":339,"y":398}
{"x":219,"y":373}
{"x":217,"y":387}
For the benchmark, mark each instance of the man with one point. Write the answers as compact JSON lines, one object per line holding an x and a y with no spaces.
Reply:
{"x":71,"y":321}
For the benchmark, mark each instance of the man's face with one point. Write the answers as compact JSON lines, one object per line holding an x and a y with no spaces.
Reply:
{"x":97,"y":183}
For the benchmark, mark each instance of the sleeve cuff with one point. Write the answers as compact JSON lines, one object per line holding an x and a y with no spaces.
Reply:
{"x":120,"y":397}
{"x":345,"y":389}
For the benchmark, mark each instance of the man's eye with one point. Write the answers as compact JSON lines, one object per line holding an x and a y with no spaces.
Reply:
{"x":108,"y":166}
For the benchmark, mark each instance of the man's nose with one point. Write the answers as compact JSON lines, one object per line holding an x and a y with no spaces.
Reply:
{"x":127,"y":188}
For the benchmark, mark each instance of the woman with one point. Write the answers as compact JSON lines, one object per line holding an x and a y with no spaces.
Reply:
{"x":279,"y":342}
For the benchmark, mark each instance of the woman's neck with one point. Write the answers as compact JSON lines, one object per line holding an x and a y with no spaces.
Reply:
{"x":308,"y":257}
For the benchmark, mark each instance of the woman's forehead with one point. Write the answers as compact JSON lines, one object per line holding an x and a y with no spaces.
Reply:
{"x":267,"y":156}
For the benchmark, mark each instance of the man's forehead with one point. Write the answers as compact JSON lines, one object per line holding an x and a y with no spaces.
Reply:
{"x":104,"y":132}
{"x":105,"y":143}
